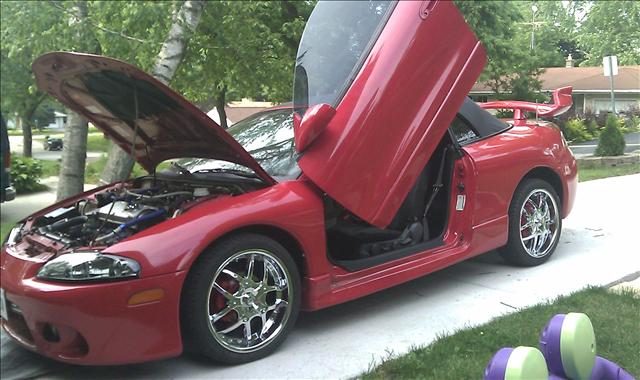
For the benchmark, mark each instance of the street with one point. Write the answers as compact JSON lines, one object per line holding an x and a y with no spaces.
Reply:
{"x":597,"y":247}
{"x":16,"y":143}
{"x":587,"y":148}
{"x":580,"y":150}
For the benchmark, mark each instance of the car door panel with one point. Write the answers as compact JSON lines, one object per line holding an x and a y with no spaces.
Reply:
{"x":396,"y":110}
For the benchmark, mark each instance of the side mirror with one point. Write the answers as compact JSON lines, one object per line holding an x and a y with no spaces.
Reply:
{"x":309,"y":127}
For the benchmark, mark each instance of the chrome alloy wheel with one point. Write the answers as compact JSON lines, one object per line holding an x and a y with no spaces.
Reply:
{"x":248,"y":301}
{"x":539,"y":223}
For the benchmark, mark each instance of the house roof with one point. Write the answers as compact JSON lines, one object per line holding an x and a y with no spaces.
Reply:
{"x":583,"y":80}
{"x":236,"y":114}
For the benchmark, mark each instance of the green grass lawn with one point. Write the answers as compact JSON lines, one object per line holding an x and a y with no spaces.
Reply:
{"x":465,"y":354}
{"x":97,"y":143}
{"x":604,"y":172}
{"x":50,"y":168}
{"x":5,"y":227}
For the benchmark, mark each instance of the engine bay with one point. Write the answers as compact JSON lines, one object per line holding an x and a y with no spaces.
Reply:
{"x":117,"y":212}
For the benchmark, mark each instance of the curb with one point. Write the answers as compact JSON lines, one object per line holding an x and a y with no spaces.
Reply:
{"x":608,"y":161}
{"x":630,"y":282}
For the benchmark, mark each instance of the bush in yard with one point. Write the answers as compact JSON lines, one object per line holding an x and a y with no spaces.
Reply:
{"x":629,"y":124}
{"x":575,"y":131}
{"x":592,"y":127}
{"x":611,"y":139}
{"x":25,"y":174}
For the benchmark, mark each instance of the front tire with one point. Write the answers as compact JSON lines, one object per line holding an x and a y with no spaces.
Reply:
{"x":535,"y":224}
{"x":240,"y":300}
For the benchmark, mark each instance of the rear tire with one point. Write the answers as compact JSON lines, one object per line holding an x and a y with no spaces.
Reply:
{"x":240,"y":300}
{"x":535,"y":224}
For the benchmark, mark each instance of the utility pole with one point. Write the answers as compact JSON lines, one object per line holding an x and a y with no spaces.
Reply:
{"x":533,"y":25}
{"x":534,"y":9}
{"x":610,"y":64}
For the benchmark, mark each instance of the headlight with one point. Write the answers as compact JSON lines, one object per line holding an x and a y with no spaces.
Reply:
{"x":89,"y":266}
{"x":14,"y":235}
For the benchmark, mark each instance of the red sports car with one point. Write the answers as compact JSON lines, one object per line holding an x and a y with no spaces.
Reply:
{"x":382,"y":171}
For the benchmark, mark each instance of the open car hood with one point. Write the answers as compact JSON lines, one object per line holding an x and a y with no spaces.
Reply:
{"x":124,"y":101}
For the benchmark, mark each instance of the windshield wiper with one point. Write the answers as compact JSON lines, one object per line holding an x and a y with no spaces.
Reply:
{"x":240,"y":173}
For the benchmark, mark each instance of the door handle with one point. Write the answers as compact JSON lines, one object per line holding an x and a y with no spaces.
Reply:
{"x":427,"y":8}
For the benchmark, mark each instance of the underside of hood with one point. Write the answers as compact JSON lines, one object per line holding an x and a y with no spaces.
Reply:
{"x":123,"y":102}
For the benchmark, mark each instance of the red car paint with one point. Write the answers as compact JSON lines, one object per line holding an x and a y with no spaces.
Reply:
{"x":340,"y":161}
{"x":183,"y":130}
{"x":561,"y":97}
{"x":96,"y":324}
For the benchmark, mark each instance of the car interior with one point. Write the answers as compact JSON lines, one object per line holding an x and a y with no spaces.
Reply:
{"x":418,"y":225}
{"x":422,"y":219}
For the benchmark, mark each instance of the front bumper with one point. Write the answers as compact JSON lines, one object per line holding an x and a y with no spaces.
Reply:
{"x":8,"y":194}
{"x":90,"y":323}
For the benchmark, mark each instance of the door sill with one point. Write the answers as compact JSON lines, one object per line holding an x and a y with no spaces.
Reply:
{"x":372,"y":261}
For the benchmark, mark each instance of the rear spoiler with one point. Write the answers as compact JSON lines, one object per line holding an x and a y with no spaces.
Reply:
{"x":561,"y":97}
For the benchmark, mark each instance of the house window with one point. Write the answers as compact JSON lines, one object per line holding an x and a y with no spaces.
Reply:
{"x":479,"y":98}
{"x":604,"y":105}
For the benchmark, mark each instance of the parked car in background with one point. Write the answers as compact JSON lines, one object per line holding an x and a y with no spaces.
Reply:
{"x":52,"y":143}
{"x":381,"y":172}
{"x":8,"y":192}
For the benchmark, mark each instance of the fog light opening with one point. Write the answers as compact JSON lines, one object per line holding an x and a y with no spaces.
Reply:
{"x":50,"y":333}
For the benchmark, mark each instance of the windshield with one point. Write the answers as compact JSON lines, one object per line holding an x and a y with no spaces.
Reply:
{"x":267,"y":136}
{"x":335,"y":42}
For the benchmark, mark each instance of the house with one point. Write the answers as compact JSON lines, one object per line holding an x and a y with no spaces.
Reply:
{"x":59,"y":120}
{"x":237,"y":110}
{"x":591,"y":89}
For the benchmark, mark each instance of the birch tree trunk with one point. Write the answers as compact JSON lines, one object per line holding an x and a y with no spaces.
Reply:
{"x":119,"y":163}
{"x":74,"y":156}
{"x":74,"y":146}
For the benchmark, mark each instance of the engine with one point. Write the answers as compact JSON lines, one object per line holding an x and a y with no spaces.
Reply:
{"x":123,"y":210}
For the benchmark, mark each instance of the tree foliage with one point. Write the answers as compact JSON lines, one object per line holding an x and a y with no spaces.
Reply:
{"x":510,"y":67}
{"x":611,"y":28}
{"x":611,"y":139}
{"x":247,"y":48}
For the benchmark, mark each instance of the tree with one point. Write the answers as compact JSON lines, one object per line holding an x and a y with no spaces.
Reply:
{"x":20,"y":44}
{"x":243,"y":49}
{"x":74,"y":152}
{"x":240,"y":49}
{"x":185,"y":22}
{"x":510,"y":67}
{"x":611,"y":139}
{"x":611,"y":28}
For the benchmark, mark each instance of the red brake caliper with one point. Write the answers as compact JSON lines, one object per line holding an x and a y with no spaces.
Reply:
{"x":220,"y":302}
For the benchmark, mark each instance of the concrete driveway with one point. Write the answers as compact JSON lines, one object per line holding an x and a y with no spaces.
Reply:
{"x":598,"y":246}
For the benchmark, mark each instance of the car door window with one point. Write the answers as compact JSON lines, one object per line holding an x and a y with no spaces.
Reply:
{"x":337,"y":38}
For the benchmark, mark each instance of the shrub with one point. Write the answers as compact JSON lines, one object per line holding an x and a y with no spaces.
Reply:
{"x":630,"y":121}
{"x":592,"y":127}
{"x":575,"y":131}
{"x":611,"y":139}
{"x":25,"y":174}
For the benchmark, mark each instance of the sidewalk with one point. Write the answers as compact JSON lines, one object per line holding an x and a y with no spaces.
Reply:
{"x":26,"y":204}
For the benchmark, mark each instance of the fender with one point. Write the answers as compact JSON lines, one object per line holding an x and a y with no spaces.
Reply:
{"x":293,"y":206}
